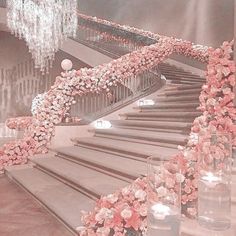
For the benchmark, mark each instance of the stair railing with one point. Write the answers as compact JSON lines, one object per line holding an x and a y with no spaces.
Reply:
{"x":93,"y":106}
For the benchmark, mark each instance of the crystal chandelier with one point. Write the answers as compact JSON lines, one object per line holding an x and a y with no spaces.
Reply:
{"x":44,"y":25}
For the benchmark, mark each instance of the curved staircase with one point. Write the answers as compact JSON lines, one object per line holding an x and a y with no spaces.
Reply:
{"x":72,"y":178}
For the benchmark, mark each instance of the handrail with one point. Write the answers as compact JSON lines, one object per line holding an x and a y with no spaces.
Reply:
{"x":182,"y":47}
{"x":108,"y":27}
{"x":93,"y":106}
{"x":143,"y":37}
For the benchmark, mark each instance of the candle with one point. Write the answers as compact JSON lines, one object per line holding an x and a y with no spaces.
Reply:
{"x":213,"y":202}
{"x":160,"y":211}
{"x":210,"y":179}
{"x":163,"y":220}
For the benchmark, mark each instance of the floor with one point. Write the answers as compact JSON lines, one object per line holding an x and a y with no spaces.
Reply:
{"x":20,"y":214}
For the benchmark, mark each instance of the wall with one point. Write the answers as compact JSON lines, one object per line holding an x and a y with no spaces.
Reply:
{"x":207,"y":22}
{"x":19,"y":82}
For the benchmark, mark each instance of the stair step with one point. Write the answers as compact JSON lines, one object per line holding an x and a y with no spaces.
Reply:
{"x":151,"y":124}
{"x":63,"y":201}
{"x":187,"y":98}
{"x":175,"y":79}
{"x":114,"y":164}
{"x":183,"y":92}
{"x":173,"y":138}
{"x":187,"y":76}
{"x":180,"y":82}
{"x":173,"y":105}
{"x":92,"y":182}
{"x":180,"y":73}
{"x":183,"y":87}
{"x":133,"y":150}
{"x":170,"y":110}
{"x":162,"y":114}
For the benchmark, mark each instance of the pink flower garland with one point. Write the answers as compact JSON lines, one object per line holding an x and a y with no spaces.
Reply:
{"x":19,"y":123}
{"x":126,"y":209}
{"x":60,"y":97}
{"x":182,"y":47}
{"x":218,"y":114}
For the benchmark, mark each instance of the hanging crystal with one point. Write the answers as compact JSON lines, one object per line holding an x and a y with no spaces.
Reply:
{"x":44,"y":25}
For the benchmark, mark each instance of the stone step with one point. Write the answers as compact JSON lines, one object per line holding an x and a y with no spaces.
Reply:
{"x":173,"y":69}
{"x":180,"y":81}
{"x":177,"y":96}
{"x":116,"y":165}
{"x":161,"y":116}
{"x":183,"y":87}
{"x":182,"y":99}
{"x":174,"y":74}
{"x":132,"y":150}
{"x":151,"y":124}
{"x":160,"y":119}
{"x":168,"y":106}
{"x":63,"y":201}
{"x":85,"y":179}
{"x":150,"y":136}
{"x":181,"y":73}
{"x":181,"y":93}
{"x":155,"y":114}
{"x":170,"y":110}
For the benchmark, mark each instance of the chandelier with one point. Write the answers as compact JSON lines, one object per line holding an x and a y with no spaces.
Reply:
{"x":44,"y":25}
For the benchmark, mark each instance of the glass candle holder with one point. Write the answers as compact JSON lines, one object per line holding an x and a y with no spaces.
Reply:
{"x":214,"y":183}
{"x":164,"y":197}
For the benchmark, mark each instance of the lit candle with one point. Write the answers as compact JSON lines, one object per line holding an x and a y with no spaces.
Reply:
{"x":160,"y":211}
{"x":210,"y":179}
{"x":163,"y":220}
{"x":99,"y":124}
{"x":103,"y":124}
{"x":141,"y":103}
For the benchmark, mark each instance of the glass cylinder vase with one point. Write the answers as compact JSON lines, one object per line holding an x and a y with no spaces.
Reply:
{"x":164,"y":198}
{"x":214,"y":182}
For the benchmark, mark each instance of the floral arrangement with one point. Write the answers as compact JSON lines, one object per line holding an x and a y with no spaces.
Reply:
{"x":19,"y":123}
{"x":60,"y":97}
{"x":183,"y":47}
{"x":37,"y":102}
{"x":216,"y":104}
{"x":118,"y":213}
{"x":126,"y":210}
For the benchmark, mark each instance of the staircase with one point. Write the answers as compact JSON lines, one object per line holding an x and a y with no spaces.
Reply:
{"x":72,"y":178}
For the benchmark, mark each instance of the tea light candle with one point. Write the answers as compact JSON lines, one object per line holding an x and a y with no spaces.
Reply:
{"x":102,"y":124}
{"x":163,"y":220}
{"x":210,"y":179}
{"x":160,"y":211}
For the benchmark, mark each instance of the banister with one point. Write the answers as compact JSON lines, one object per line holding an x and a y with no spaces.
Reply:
{"x":60,"y":97}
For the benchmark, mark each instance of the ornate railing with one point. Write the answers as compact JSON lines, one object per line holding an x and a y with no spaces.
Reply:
{"x":115,"y":44}
{"x":93,"y":106}
{"x":112,"y":40}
